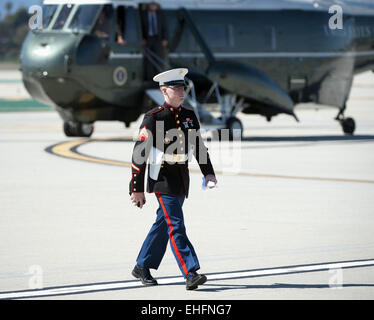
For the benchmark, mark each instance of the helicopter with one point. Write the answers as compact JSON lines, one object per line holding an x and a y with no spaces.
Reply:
{"x":254,"y":57}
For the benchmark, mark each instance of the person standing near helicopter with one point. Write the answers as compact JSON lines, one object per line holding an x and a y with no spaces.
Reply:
{"x":155,"y":36}
{"x":167,"y":126}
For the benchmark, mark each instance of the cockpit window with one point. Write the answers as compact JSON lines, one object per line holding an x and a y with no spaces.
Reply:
{"x":103,"y":26}
{"x":62,"y":17}
{"x":48,"y":13}
{"x":84,"y":17}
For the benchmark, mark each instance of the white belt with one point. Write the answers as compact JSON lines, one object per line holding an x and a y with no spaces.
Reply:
{"x":175,"y":157}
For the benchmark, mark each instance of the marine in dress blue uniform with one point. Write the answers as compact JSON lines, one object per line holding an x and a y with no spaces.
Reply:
{"x":173,"y":134}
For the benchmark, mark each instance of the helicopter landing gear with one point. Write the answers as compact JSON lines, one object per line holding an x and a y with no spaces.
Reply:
{"x":235,"y":127}
{"x":78,"y":129}
{"x":233,"y":130}
{"x":348,"y":124}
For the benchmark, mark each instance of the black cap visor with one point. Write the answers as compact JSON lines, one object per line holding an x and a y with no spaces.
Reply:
{"x":175,"y":84}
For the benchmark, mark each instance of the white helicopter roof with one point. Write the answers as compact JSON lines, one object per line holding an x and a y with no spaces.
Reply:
{"x":348,"y":6}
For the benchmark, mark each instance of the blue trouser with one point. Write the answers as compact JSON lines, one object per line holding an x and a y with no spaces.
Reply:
{"x":169,"y":225}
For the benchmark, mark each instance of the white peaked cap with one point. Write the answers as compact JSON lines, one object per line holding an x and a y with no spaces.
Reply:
{"x":171,"y":77}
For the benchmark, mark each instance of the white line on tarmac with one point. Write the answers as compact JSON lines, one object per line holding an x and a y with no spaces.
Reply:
{"x":89,"y":288}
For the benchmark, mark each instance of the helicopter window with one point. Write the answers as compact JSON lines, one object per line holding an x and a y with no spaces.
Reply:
{"x":103,"y":25}
{"x":62,"y":17}
{"x":84,"y":17}
{"x":48,"y":13}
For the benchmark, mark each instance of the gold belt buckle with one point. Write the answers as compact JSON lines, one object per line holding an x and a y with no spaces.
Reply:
{"x":175,"y":157}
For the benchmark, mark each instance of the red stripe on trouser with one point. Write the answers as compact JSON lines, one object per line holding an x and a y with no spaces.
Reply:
{"x":172,"y":236}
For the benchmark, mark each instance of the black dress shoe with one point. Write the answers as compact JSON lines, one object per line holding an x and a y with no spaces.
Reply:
{"x":194,"y":279}
{"x":144,"y":275}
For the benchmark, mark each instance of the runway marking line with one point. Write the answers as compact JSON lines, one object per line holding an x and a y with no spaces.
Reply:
{"x":128,"y":284}
{"x":69,"y":149}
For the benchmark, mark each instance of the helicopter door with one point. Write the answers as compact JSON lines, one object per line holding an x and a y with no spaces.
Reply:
{"x":126,"y":57}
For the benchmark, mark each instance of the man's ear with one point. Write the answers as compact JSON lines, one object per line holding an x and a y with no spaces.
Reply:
{"x":163,"y":90}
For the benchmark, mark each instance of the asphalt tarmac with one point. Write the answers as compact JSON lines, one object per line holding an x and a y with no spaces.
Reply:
{"x":292,"y":217}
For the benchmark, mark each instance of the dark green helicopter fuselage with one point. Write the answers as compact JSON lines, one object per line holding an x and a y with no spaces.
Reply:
{"x":76,"y":71}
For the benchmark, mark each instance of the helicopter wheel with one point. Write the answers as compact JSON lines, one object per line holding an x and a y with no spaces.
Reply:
{"x":78,"y":129}
{"x":234,"y":128}
{"x":348,"y":125}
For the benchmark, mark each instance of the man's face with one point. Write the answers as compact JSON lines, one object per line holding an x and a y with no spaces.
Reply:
{"x":174,"y":95}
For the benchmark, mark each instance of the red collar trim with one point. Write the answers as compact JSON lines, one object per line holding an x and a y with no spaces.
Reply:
{"x":171,"y":108}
